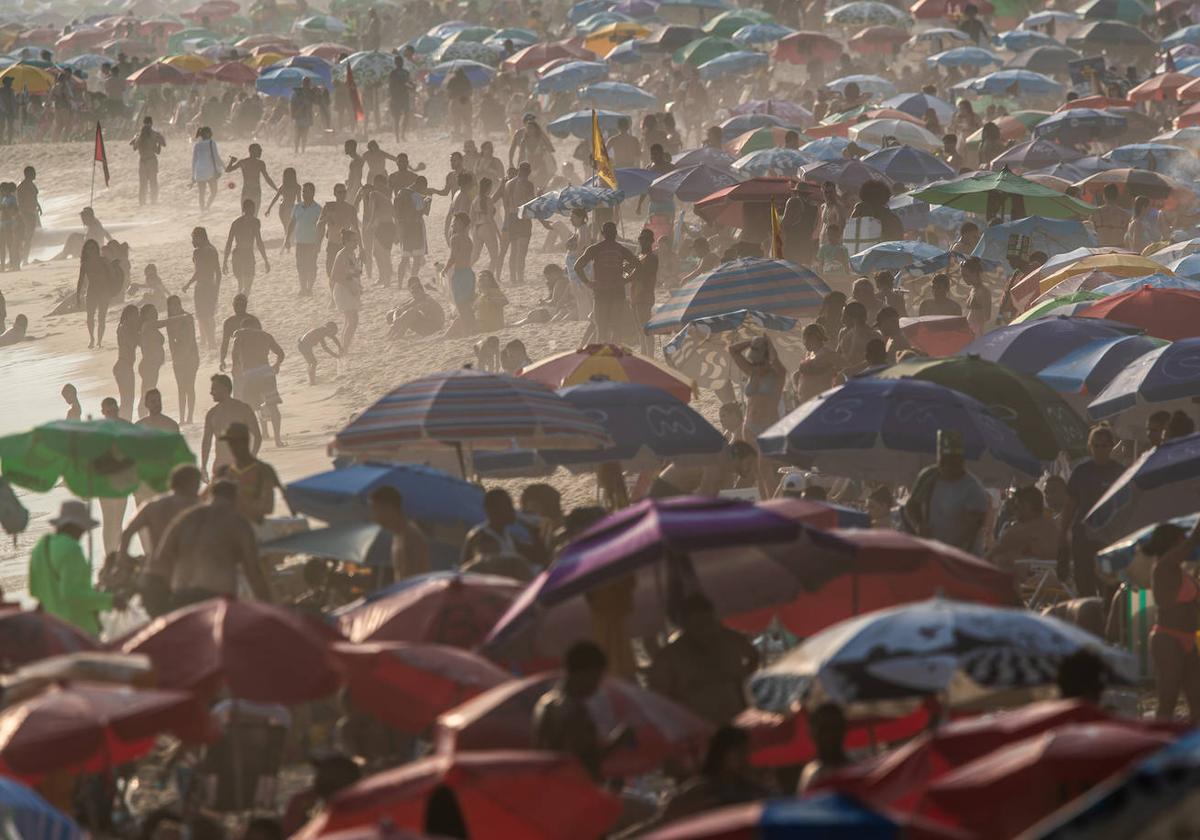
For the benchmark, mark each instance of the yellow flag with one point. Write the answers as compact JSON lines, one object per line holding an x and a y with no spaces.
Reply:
{"x":604,"y":167}
{"x":776,"y":233}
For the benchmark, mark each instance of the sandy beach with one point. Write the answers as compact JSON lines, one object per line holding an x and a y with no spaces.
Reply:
{"x":34,"y":373}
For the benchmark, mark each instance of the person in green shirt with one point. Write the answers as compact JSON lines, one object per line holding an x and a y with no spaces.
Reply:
{"x":60,"y":577}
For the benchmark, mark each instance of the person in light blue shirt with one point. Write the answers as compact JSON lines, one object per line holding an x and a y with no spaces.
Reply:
{"x":303,"y":228}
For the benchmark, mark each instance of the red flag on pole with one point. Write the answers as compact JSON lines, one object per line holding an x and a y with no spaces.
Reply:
{"x":355,"y":99}
{"x":100,"y":156}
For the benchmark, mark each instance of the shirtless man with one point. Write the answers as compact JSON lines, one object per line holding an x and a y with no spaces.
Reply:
{"x":254,"y":172}
{"x":336,"y":216}
{"x":244,"y":235}
{"x":376,"y":160}
{"x":562,"y":721}
{"x":354,"y":175}
{"x":251,"y":346}
{"x":518,"y":191}
{"x":318,"y":337}
{"x":228,"y":327}
{"x":256,"y":480}
{"x":148,"y":144}
{"x":623,"y":147}
{"x":608,"y":259}
{"x":155,"y":419}
{"x":150,"y":523}
{"x":225,"y":411}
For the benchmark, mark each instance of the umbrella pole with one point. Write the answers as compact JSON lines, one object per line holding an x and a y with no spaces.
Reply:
{"x":462,"y":464}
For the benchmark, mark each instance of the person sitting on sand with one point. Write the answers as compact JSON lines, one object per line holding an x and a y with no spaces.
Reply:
{"x":71,"y":397}
{"x":489,"y":303}
{"x":153,"y":290}
{"x":487,"y":354}
{"x":16,"y":333}
{"x":514,"y":357}
{"x":92,"y":230}
{"x":319,"y":337}
{"x":422,"y":316}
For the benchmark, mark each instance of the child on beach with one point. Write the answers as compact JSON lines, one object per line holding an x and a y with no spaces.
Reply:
{"x":489,"y":303}
{"x":319,"y":337}
{"x":71,"y":397}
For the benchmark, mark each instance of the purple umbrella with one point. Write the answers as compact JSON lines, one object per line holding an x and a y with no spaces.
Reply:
{"x":849,"y":175}
{"x":1034,"y":154}
{"x":692,"y":183}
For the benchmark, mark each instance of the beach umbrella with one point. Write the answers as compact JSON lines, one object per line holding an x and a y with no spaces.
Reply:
{"x":701,"y":349}
{"x":866,"y":13}
{"x":1153,"y":281}
{"x":599,"y":20}
{"x":439,"y":608}
{"x":409,"y":685}
{"x":447,"y":28}
{"x":81,"y":38}
{"x":848,"y":174}
{"x":1162,"y":87}
{"x":637,"y":9}
{"x":991,"y":192}
{"x":535,"y":56}
{"x":1154,"y":380}
{"x":489,"y":54}
{"x":311,"y":63}
{"x":1042,"y":420}
{"x":1189,"y":35}
{"x":1033,"y":154}
{"x":571,"y":76}
{"x":690,"y":10}
{"x":1031,"y":346}
{"x":760,"y":33}
{"x":255,"y":651}
{"x":319,"y":25}
{"x":358,"y":543}
{"x":1114,"y":35}
{"x":726,"y":23}
{"x":231,"y":72}
{"x":886,"y":430}
{"x":1154,"y":157}
{"x":769,"y":286}
{"x":262,"y":62}
{"x":603,"y":39}
{"x":263,"y":39}
{"x":789,"y":112}
{"x":963,"y":652}
{"x":740,"y":63}
{"x":28,"y":636}
{"x":281,"y":81}
{"x":1115,"y":263}
{"x":1049,"y":59}
{"x":1049,"y":17}
{"x":422,"y":45}
{"x":907,"y":165}
{"x":87,"y":62}
{"x":631,"y":182}
{"x":868,"y":84}
{"x":914,"y":214}
{"x":1051,"y":236}
{"x":586,"y":8}
{"x":94,"y":458}
{"x":1129,"y":11}
{"x":1168,"y":313}
{"x":562,"y":202}
{"x":479,"y":75}
{"x":1071,"y":303}
{"x":672,"y":37}
{"x":502,"y":719}
{"x":28,"y":78}
{"x":741,"y":123}
{"x":177,"y":40}
{"x":32,"y":817}
{"x":1012,"y":83}
{"x":757,"y":139}
{"x":618,"y":96}
{"x":370,"y":67}
{"x":829,"y":149}
{"x":1187,"y":137}
{"x":772,"y":162}
{"x":703,"y":50}
{"x":535,"y":795}
{"x":878,"y":40}
{"x":629,"y":52}
{"x":692,"y":183}
{"x":612,"y":363}
{"x":579,"y":123}
{"x":916,"y":104}
{"x":892,"y":256}
{"x":937,"y":39}
{"x":904,"y":132}
{"x":1115,"y":559}
{"x":474,"y":34}
{"x":92,"y":727}
{"x":803,"y":47}
{"x":1188,"y":266}
{"x":964,"y":57}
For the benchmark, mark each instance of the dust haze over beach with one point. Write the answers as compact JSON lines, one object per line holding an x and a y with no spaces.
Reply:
{"x":34,"y":372}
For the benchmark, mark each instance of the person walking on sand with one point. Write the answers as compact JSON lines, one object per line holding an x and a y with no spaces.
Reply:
{"x":150,"y":526}
{"x":518,"y":231}
{"x":318,"y":337}
{"x":207,"y":277}
{"x":345,"y":286}
{"x":155,"y":419}
{"x":399,"y":98}
{"x":228,"y":327}
{"x":185,"y":355}
{"x":336,"y":218}
{"x":251,"y":346}
{"x":254,"y":172}
{"x":256,"y":480}
{"x":206,"y":166}
{"x":245,"y":234}
{"x":301,"y":107}
{"x":225,"y":410}
{"x":302,"y":229}
{"x":458,"y":269}
{"x":128,"y":329}
{"x":98,"y":281}
{"x":287,"y":195}
{"x":148,"y":144}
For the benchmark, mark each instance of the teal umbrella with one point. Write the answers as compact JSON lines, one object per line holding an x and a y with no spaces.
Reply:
{"x":704,"y":49}
{"x":993,"y":194}
{"x":95,"y":458}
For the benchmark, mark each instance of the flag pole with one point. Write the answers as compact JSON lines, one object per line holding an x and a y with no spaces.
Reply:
{"x":92,"y":200}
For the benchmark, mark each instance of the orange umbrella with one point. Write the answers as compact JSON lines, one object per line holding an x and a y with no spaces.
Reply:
{"x":159,"y":73}
{"x":408,"y":686}
{"x":1097,"y":101}
{"x":232,"y":73}
{"x":502,"y":796}
{"x":878,"y":40}
{"x":327,"y":50}
{"x":502,"y":719}
{"x":1166,"y":86}
{"x":615,"y":363}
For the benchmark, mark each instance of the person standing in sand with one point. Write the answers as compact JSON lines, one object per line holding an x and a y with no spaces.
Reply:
{"x":345,"y":286}
{"x":155,"y":419}
{"x":337,"y":216}
{"x":302,"y":228}
{"x":206,"y":166}
{"x":518,"y":231}
{"x":185,"y":355}
{"x":148,"y":144}
{"x":228,"y":327}
{"x":226,"y":410}
{"x":251,"y":346}
{"x":207,"y":277}
{"x":98,"y":277}
{"x":30,"y":209}
{"x":256,"y":480}
{"x":152,"y":345}
{"x":287,"y":195}
{"x":245,"y":234}
{"x":608,"y":259}
{"x":150,"y":524}
{"x":458,"y":269}
{"x":128,"y":328}
{"x":254,"y":172}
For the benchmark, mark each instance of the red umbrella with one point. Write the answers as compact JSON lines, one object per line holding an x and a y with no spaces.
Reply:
{"x":803,"y":47}
{"x":327,"y":50}
{"x":82,"y":39}
{"x":1163,"y":313}
{"x":1098,"y":102}
{"x":618,"y":364}
{"x":1189,"y":118}
{"x":502,"y":796}
{"x":533,"y":57}
{"x":274,"y":49}
{"x":1036,"y":776}
{"x":214,"y":10}
{"x":258,"y":651}
{"x":779,"y":741}
{"x":1166,"y":86}
{"x":455,"y":610}
{"x":858,"y":571}
{"x":408,"y":686}
{"x":931,"y":9}
{"x":878,"y":40}
{"x":41,"y":37}
{"x":502,"y":718}
{"x":726,"y":205}
{"x":937,"y":335}
{"x":159,"y":74}
{"x":29,"y":635}
{"x":88,"y":727}
{"x":231,"y":72}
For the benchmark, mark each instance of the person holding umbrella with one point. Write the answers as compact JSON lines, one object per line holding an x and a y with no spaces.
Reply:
{"x":60,"y":577}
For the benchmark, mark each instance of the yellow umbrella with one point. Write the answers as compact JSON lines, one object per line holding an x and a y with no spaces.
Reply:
{"x":602,"y":40}
{"x":28,"y":77}
{"x":188,"y":63}
{"x":258,"y":62}
{"x":1118,"y":265}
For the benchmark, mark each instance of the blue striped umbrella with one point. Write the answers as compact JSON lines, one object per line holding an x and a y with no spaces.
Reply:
{"x":907,"y":165}
{"x":478,"y":74}
{"x":467,"y":409}
{"x":760,"y":33}
{"x":1019,"y":40}
{"x":579,"y":123}
{"x":1159,"y":485}
{"x":570,"y":198}
{"x":892,"y":256}
{"x":740,"y":63}
{"x":1089,"y":368}
{"x":571,"y":76}
{"x":1166,"y":378}
{"x":1153,"y":281}
{"x":30,"y":817}
{"x":618,"y":96}
{"x":766,"y":285}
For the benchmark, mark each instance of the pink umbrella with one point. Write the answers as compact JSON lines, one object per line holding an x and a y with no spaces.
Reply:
{"x":327,"y":50}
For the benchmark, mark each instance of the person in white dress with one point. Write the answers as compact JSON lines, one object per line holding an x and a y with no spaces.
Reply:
{"x":206,"y":165}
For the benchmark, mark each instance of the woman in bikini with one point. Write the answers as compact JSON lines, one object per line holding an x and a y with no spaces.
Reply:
{"x":185,"y":355}
{"x":287,"y":195}
{"x":128,"y":332}
{"x":152,"y":344}
{"x":483,"y":219}
{"x":765,"y":378}
{"x":1173,"y":637}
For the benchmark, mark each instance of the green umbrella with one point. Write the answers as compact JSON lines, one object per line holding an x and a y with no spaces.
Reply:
{"x":1054,"y":306}
{"x":726,"y":23}
{"x":993,"y":194}
{"x":95,"y":458}
{"x":175,"y":41}
{"x":704,"y":49}
{"x":1030,"y":118}
{"x":1040,"y":417}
